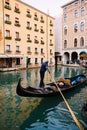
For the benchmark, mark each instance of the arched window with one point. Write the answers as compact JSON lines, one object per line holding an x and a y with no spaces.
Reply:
{"x":82,"y":11}
{"x":82,"y":26}
{"x":65,"y":30}
{"x":81,"y":41}
{"x":65,"y":43}
{"x":75,"y":27}
{"x":65,"y":17}
{"x":82,"y":1}
{"x":76,"y":13}
{"x":75,"y":42}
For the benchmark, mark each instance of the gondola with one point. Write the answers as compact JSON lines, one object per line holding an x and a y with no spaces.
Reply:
{"x":50,"y":89}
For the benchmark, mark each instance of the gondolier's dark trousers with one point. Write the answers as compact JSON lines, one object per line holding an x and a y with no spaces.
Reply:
{"x":42,"y":73}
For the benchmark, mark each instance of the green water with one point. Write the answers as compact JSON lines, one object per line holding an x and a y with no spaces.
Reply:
{"x":21,"y":113}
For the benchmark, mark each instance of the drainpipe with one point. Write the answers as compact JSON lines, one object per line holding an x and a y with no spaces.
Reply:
{"x":3,"y":26}
{"x":47,"y":34}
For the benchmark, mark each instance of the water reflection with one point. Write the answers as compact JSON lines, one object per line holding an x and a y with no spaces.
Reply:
{"x":19,"y":113}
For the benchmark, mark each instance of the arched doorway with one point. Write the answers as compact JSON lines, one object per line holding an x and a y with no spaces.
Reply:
{"x":74,"y":57}
{"x":66,"y":57}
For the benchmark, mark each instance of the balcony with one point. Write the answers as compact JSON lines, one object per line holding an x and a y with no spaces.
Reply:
{"x":8,"y":37}
{"x":29,"y":15}
{"x":36,"y":52}
{"x":29,"y":40}
{"x":42,"y":21}
{"x":51,"y":34}
{"x":8,"y":51}
{"x":41,"y":31}
{"x":7,"y":21}
{"x":18,"y":39}
{"x":18,"y":51}
{"x":36,"y":41}
{"x":36,"y":29}
{"x":29,"y":52}
{"x":29,"y":28}
{"x":16,"y":10}
{"x":51,"y":44}
{"x":7,"y":7}
{"x":42,"y":42}
{"x":51,"y":24}
{"x":17,"y":24}
{"x":36,"y":18}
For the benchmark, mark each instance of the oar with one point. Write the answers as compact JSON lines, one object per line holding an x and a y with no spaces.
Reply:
{"x":70,"y":110}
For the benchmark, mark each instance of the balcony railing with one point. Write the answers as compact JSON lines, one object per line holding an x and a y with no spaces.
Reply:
{"x":29,"y":40}
{"x":36,"y":52}
{"x":42,"y":31}
{"x":8,"y":51}
{"x":29,"y":28}
{"x":36,"y":41}
{"x":51,"y":34}
{"x":18,"y":51}
{"x":7,"y":21}
{"x":51,"y":44}
{"x":42,"y":42}
{"x":36,"y":18}
{"x":36,"y":29}
{"x":17,"y":24}
{"x":29,"y":52}
{"x":51,"y":24}
{"x":16,"y":10}
{"x":8,"y":37}
{"x":18,"y":39}
{"x":7,"y":7}
{"x":42,"y":21}
{"x":29,"y":15}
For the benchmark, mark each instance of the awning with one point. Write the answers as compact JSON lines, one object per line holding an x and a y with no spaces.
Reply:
{"x":15,"y":56}
{"x":10,"y":56}
{"x":83,"y":52}
{"x":3,"y":56}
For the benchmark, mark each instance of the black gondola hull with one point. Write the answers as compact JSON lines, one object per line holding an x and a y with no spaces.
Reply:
{"x":49,"y":90}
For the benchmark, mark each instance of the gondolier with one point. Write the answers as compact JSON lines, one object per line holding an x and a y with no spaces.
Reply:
{"x":44,"y":68}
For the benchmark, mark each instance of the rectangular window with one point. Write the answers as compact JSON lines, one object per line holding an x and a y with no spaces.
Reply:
{"x":17,"y":34}
{"x":28,"y":24}
{"x":7,"y":33}
{"x":16,"y":20}
{"x":17,"y":48}
{"x":28,"y":36}
{"x":7,"y":47}
{"x":7,"y":17}
{"x":35,"y":26}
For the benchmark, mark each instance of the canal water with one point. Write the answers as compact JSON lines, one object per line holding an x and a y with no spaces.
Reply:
{"x":28,"y":113}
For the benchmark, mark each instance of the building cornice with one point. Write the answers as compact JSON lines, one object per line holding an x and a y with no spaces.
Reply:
{"x":68,"y":3}
{"x":34,"y":8}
